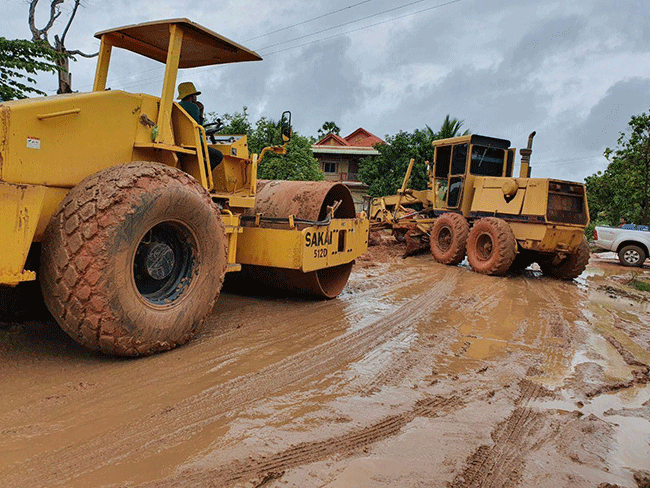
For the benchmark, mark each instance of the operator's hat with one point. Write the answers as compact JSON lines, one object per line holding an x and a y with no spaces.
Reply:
{"x":186,"y":89}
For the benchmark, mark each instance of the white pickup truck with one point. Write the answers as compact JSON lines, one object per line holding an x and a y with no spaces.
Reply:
{"x":630,"y":242}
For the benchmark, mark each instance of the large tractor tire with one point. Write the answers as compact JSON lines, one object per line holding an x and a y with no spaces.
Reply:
{"x":632,"y":256}
{"x":134,"y":259}
{"x":448,"y":238}
{"x":571,"y":267}
{"x":491,"y":246}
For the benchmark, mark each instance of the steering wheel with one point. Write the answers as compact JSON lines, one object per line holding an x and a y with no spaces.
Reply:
{"x":212,"y":128}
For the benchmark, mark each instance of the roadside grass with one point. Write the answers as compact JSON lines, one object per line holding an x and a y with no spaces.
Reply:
{"x":638,"y":284}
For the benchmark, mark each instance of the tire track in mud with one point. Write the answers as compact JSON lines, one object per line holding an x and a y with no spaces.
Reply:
{"x":272,"y":467}
{"x":525,"y":429}
{"x":480,"y":300}
{"x":186,"y":418}
{"x":499,"y":465}
{"x":474,"y":302}
{"x":555,"y":336}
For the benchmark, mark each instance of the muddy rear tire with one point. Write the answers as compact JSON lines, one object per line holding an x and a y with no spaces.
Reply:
{"x":134,"y":259}
{"x":571,"y":267}
{"x":448,"y":238}
{"x":491,"y":246}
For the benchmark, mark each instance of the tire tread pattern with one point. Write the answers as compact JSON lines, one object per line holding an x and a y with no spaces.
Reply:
{"x":74,"y":255}
{"x":459,"y":228}
{"x":504,"y":248}
{"x":572,"y":266}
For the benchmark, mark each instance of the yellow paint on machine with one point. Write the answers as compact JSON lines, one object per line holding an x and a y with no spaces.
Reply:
{"x":313,"y":248}
{"x":48,"y":145}
{"x":20,"y":206}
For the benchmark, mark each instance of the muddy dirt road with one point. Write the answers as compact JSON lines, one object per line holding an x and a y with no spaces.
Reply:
{"x":417,"y":375}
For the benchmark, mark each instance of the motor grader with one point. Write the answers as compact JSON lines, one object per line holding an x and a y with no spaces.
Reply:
{"x":108,"y":199}
{"x":475,"y":208}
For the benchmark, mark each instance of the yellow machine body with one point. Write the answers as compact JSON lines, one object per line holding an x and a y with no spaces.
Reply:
{"x":545,"y":215}
{"x":473,"y":175}
{"x":48,"y":145}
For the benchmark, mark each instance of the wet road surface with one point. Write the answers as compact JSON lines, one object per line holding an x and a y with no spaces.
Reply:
{"x":419,"y":374}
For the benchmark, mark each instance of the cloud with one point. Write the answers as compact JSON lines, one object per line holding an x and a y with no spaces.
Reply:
{"x":573,"y":71}
{"x":326,"y":84}
{"x":549,"y":37}
{"x":611,"y":114}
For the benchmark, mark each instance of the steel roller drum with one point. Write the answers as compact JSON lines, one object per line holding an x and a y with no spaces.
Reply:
{"x":304,"y":200}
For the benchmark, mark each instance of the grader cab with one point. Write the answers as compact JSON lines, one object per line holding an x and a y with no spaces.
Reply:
{"x":109,"y":200}
{"x":475,"y":208}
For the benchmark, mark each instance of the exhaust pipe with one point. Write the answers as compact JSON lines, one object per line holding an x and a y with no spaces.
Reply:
{"x":525,"y":157}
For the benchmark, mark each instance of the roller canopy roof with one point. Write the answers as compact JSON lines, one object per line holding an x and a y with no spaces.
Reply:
{"x":201,"y":46}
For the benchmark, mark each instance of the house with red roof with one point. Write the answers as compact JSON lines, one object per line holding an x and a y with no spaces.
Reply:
{"x":339,"y":158}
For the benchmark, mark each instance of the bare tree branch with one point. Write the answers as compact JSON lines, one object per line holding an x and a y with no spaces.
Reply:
{"x":74,"y":12}
{"x":62,"y":62}
{"x":76,"y":52}
{"x":41,"y":34}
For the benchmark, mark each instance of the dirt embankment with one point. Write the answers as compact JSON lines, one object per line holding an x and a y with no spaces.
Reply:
{"x":417,"y":375}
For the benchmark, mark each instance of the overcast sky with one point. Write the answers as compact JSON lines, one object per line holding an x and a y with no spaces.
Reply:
{"x":574,"y":71}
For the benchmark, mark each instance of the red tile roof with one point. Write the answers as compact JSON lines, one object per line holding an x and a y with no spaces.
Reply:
{"x":332,"y":140}
{"x":362,"y":138}
{"x":359,"y":138}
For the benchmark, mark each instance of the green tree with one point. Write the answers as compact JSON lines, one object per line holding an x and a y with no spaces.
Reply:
{"x":20,"y":60}
{"x":623,"y":189}
{"x":328,"y":128}
{"x":384,"y":173}
{"x":266,"y":133}
{"x":298,"y":164}
{"x":233,"y":124}
{"x":450,"y":128}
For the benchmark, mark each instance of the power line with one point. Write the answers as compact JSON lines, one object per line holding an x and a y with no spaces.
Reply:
{"x":309,"y":20}
{"x":253,"y":38}
{"x":365,"y":27}
{"x":348,"y":23}
{"x":542,"y":164}
{"x":565,"y":159}
{"x":392,"y":19}
{"x":247,"y":40}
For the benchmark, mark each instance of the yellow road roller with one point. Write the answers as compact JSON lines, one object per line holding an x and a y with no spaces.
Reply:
{"x":108,"y":200}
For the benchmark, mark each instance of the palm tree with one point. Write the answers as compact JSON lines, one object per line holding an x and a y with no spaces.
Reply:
{"x":450,"y":128}
{"x":328,"y":128}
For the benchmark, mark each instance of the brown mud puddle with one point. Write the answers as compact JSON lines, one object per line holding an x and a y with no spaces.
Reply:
{"x":417,"y":375}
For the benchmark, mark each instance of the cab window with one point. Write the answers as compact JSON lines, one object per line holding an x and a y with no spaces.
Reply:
{"x":443,"y":154}
{"x":459,"y":159}
{"x":487,"y":161}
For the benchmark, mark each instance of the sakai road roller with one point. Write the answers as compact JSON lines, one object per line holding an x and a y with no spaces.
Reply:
{"x":475,"y":208}
{"x":108,"y":199}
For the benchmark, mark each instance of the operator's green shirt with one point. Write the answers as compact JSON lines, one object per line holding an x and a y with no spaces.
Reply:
{"x":192,"y":109}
